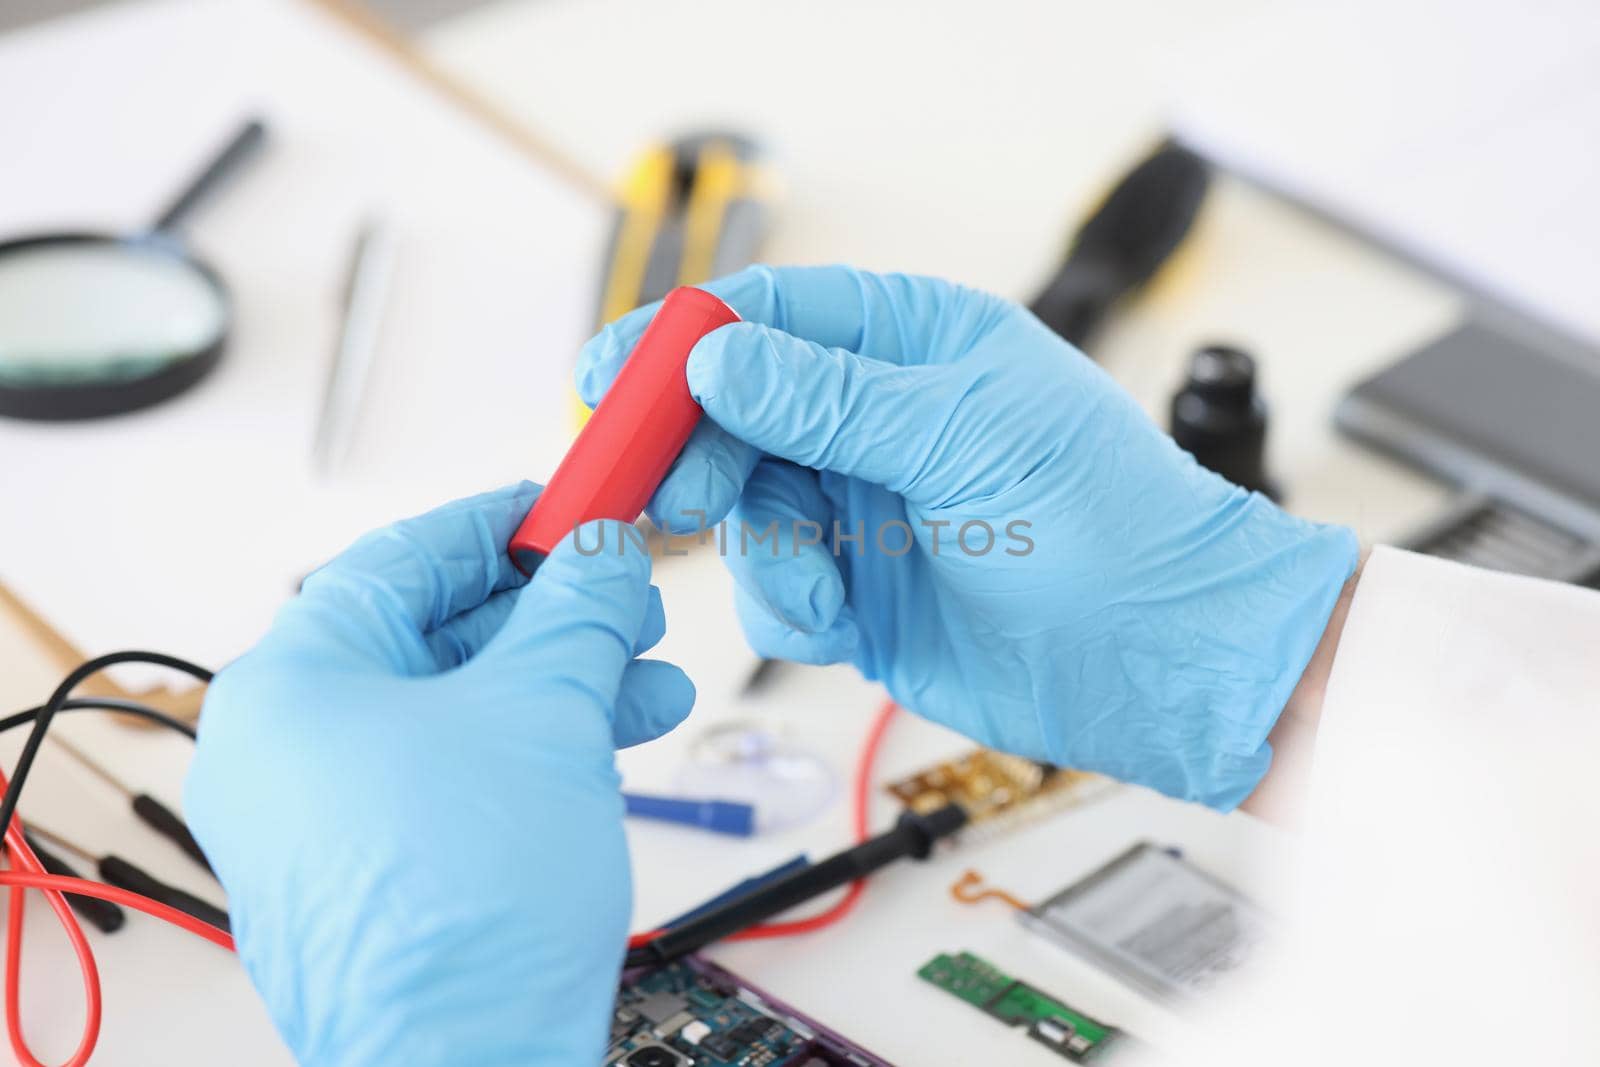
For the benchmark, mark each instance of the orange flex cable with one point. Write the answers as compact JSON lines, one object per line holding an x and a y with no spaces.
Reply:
{"x":969,"y":889}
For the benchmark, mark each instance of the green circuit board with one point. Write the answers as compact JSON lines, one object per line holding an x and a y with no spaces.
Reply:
{"x":1063,"y":1030}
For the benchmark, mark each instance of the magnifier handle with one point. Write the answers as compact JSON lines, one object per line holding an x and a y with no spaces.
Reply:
{"x":217,"y":171}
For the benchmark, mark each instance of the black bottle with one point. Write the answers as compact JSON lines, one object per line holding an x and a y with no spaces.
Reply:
{"x":1219,"y":418}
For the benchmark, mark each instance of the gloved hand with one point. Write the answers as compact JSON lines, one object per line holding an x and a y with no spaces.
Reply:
{"x":407,"y":789}
{"x":1039,"y":567}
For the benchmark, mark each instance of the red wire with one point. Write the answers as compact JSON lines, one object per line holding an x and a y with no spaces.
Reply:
{"x":29,"y":873}
{"x":859,"y":796}
{"x":28,"y":866}
{"x":55,"y":883}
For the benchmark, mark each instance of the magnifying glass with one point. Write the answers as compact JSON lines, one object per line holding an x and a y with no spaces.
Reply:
{"x":95,"y":324}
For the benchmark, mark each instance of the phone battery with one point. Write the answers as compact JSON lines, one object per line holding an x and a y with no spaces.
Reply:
{"x":1155,"y":921}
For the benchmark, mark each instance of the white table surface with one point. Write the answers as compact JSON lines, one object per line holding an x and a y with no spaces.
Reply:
{"x":937,"y":137}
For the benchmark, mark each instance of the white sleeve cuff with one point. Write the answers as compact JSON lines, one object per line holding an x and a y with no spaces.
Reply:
{"x":1429,"y":638}
{"x":1451,"y":854}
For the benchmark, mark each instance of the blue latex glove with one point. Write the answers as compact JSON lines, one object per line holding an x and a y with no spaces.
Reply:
{"x":1153,"y":628}
{"x":407,"y":789}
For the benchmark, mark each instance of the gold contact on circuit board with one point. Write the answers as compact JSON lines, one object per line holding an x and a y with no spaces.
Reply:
{"x":995,"y":789}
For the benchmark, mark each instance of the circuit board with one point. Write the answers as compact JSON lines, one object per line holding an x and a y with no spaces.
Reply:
{"x":691,"y":1013}
{"x":1061,"y":1029}
{"x":995,"y":789}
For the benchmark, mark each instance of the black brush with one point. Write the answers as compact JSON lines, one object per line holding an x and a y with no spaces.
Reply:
{"x":1122,"y":245}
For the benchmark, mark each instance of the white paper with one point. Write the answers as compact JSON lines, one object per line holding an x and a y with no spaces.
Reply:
{"x":1465,"y":134}
{"x":183,"y":527}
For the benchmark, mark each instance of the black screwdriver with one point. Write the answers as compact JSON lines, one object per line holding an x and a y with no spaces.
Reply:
{"x":103,"y":915}
{"x":114,"y":870}
{"x":146,"y":808}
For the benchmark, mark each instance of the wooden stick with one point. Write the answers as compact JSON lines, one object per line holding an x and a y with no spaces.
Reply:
{"x":358,"y":17}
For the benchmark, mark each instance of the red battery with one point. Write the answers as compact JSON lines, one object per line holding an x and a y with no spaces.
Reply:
{"x":641,"y":425}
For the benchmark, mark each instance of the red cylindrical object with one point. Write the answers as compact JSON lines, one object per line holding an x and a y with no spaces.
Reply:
{"x":641,"y":425}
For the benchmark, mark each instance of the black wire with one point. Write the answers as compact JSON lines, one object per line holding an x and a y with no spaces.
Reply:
{"x":913,"y":835}
{"x":43,"y":715}
{"x":117,"y":704}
